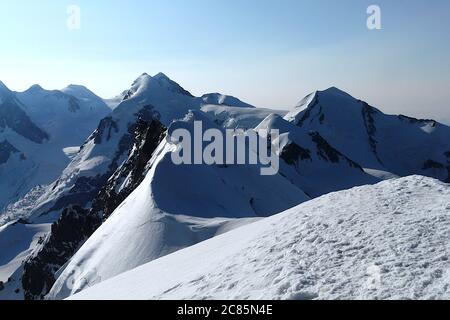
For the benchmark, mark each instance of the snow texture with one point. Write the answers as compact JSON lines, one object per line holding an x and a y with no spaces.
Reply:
{"x":388,"y":241}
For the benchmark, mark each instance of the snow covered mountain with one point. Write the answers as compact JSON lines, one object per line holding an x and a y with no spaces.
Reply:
{"x":238,"y":117}
{"x":388,"y":241}
{"x":162,"y":215}
{"x":382,"y":144}
{"x":36,"y":128}
{"x":103,"y":173}
{"x":311,"y":163}
{"x":121,"y":187}
{"x":224,"y":100}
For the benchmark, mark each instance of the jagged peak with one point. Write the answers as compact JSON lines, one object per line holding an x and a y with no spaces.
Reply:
{"x":145,"y":81}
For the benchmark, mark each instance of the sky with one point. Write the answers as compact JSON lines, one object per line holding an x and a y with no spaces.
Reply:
{"x":268,"y":53}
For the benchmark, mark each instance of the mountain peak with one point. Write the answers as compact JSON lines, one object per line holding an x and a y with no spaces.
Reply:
{"x":221,"y":99}
{"x":334,"y":92}
{"x":167,"y":83}
{"x":3,"y":88}
{"x":35,"y":88}
{"x":161,"y":75}
{"x":76,"y":86}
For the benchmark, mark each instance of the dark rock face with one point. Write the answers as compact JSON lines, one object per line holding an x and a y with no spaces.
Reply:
{"x":77,"y":222}
{"x":292,"y":153}
{"x":434,"y":165}
{"x":73,"y":105}
{"x":315,"y":102}
{"x":73,"y":228}
{"x":328,"y":153}
{"x":147,"y":138}
{"x":6,"y":150}
{"x":12,"y":116}
{"x":414,"y":120}
{"x":431,"y":164}
{"x":368,"y":114}
{"x":106,"y":125}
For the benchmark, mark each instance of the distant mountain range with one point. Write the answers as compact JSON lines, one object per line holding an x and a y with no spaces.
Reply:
{"x":90,"y":190}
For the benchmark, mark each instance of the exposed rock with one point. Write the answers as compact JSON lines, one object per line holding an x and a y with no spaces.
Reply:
{"x":292,"y":153}
{"x":79,"y":220}
{"x":12,"y":116}
{"x":6,"y":150}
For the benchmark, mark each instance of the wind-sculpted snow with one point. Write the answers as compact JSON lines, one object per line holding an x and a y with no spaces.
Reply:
{"x":388,"y":241}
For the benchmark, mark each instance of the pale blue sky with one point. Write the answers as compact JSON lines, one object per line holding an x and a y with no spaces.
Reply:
{"x":269,"y":53}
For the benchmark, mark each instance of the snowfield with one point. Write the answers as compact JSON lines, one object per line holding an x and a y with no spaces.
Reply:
{"x":387,"y":241}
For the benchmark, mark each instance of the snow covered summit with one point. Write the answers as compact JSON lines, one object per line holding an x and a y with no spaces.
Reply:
{"x":384,"y":145}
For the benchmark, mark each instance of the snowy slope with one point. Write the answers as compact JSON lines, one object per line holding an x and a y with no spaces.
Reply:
{"x":69,"y":116}
{"x":378,"y":142}
{"x":169,"y":98}
{"x":311,"y":163}
{"x":17,"y":239}
{"x":238,"y":117}
{"x":86,"y":180}
{"x":221,"y":99}
{"x":388,"y":241}
{"x":38,"y":125}
{"x":110,"y":145}
{"x":163,"y":215}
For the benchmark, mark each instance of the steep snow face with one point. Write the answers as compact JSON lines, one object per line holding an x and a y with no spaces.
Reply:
{"x":220,"y":99}
{"x":378,"y":142}
{"x":238,"y":117}
{"x":17,"y":240}
{"x":311,"y":163}
{"x":174,"y":207}
{"x":388,"y":241}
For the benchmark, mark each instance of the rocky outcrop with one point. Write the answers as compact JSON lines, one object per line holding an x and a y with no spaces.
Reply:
{"x":12,"y":116}
{"x":79,"y":219}
{"x":6,"y":150}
